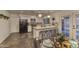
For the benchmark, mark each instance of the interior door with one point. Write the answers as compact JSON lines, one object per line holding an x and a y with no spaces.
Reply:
{"x":23,"y":26}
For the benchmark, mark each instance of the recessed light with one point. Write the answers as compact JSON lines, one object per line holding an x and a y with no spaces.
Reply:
{"x":39,"y":15}
{"x":48,"y":16}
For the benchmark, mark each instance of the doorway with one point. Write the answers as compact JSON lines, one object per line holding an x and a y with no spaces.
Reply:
{"x":23,"y":26}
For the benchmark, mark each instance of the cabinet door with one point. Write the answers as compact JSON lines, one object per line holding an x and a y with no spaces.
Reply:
{"x":66,"y":25}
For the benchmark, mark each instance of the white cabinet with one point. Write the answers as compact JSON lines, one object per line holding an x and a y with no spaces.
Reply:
{"x":44,"y":32}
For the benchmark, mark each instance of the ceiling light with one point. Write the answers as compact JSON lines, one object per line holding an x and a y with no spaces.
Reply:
{"x":39,"y":15}
{"x":48,"y":16}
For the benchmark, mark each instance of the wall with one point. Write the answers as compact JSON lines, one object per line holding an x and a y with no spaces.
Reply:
{"x":12,"y":25}
{"x":72,"y":22}
{"x":58,"y":17}
{"x":4,"y":27}
{"x":14,"y":21}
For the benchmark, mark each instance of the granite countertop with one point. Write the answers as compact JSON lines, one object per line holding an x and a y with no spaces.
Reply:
{"x":44,"y":27}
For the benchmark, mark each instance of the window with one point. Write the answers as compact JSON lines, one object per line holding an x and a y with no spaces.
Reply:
{"x":33,"y":20}
{"x":66,"y":25}
{"x":77,"y":27}
{"x":46,"y":21}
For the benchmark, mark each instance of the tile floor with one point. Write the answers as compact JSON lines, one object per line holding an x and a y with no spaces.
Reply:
{"x":17,"y":40}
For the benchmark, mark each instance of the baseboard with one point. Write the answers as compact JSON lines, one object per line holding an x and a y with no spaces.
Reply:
{"x":14,"y":32}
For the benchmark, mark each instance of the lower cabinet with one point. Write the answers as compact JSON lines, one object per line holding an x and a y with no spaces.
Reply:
{"x":47,"y":34}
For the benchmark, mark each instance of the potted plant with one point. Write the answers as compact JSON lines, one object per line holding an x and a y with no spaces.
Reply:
{"x":61,"y":39}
